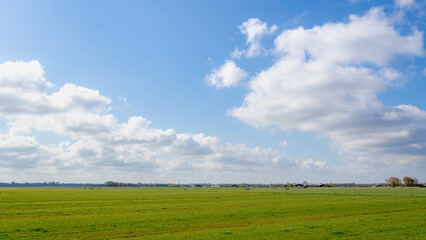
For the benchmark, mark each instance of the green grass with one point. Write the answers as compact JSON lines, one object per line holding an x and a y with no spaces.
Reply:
{"x":213,"y":213}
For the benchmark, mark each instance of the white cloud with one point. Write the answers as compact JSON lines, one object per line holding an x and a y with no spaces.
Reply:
{"x":28,"y":76}
{"x":75,"y":97}
{"x":101,"y":147}
{"x":228,"y":75}
{"x":370,"y":38}
{"x":326,"y":80}
{"x":236,"y":53}
{"x":308,"y":164}
{"x":25,"y":90}
{"x":124,"y":101}
{"x":255,"y":29}
{"x":19,"y":151}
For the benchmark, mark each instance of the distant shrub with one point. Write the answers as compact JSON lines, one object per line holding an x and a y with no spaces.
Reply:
{"x":410,"y":182}
{"x":393,"y":181}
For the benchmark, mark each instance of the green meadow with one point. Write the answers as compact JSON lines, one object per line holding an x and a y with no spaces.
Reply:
{"x":212,"y":213}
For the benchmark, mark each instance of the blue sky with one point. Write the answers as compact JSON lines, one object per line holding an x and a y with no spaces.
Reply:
{"x":150,"y":91}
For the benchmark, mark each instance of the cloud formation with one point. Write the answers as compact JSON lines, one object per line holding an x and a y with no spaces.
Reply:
{"x":326,"y":80}
{"x":236,"y":53}
{"x":255,"y":29}
{"x":227,"y":75}
{"x":24,"y":89}
{"x":99,"y":146}
{"x":370,"y":38}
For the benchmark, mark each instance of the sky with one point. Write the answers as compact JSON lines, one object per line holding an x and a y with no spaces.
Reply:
{"x":212,"y":91}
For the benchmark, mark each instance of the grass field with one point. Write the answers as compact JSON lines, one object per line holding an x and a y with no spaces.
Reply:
{"x":213,"y":213}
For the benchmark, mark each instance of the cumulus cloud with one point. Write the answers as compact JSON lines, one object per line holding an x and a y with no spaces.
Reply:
{"x":25,"y":90}
{"x":227,"y":75}
{"x":255,"y":30}
{"x":20,"y":151}
{"x":75,"y":97}
{"x":100,"y":146}
{"x":326,"y":80}
{"x":370,"y":38}
{"x":20,"y":75}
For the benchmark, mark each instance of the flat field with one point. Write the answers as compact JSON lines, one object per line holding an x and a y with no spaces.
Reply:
{"x":212,"y":213}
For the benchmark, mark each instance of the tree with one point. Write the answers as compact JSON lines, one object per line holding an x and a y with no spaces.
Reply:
{"x":410,"y":182}
{"x":111,"y":184}
{"x":393,"y":181}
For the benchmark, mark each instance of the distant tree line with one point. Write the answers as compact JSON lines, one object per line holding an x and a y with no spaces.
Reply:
{"x":119,"y":184}
{"x":408,"y":182}
{"x":392,"y":181}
